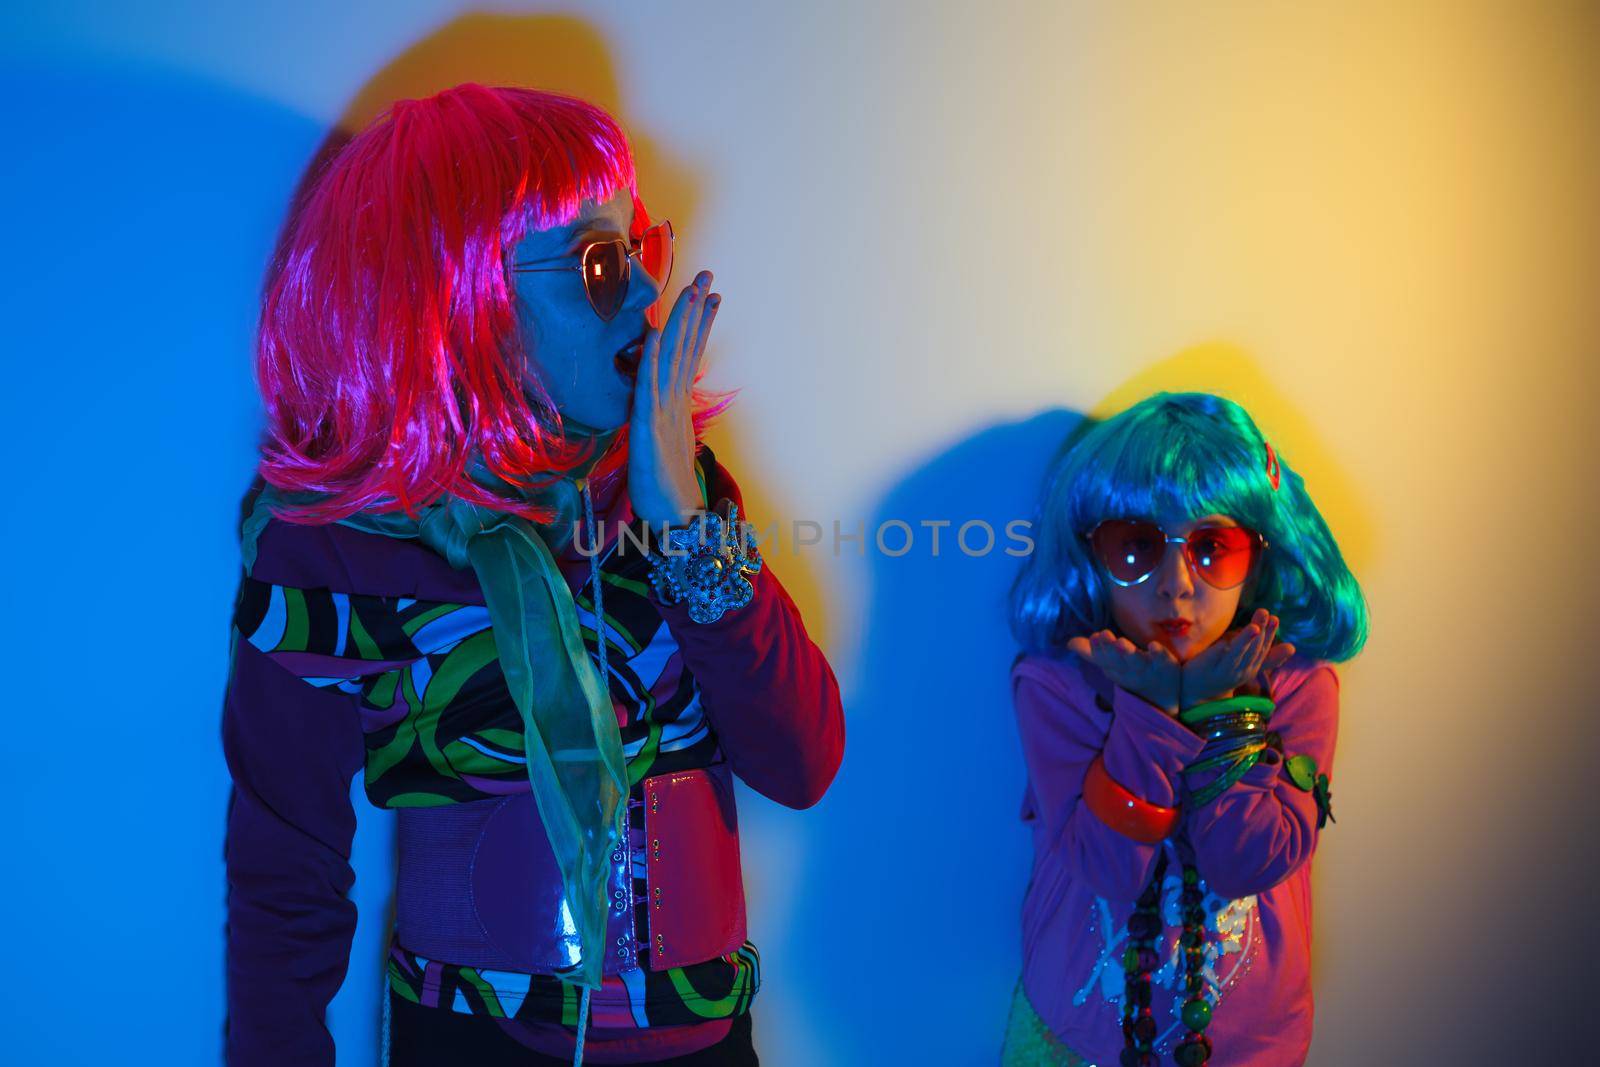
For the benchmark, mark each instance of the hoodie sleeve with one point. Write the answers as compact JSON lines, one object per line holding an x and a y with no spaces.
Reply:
{"x":1264,"y":827}
{"x":1063,"y":727}
{"x":767,"y":689}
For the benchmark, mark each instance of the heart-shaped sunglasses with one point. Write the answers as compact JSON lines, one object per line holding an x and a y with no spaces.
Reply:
{"x":1130,"y":550}
{"x":607,"y":268}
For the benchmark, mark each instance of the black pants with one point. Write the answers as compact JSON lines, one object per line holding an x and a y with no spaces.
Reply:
{"x":437,"y":1037}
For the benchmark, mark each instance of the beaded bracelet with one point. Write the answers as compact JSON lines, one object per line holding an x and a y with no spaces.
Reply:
{"x":707,"y":563}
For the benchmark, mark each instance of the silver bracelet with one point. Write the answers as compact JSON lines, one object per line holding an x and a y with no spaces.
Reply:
{"x":707,"y":564}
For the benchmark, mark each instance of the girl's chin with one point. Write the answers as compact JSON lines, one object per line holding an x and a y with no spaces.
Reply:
{"x":599,"y":418}
{"x":1182,"y":647}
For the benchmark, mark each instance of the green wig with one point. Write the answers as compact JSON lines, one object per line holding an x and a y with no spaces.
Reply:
{"x":1192,"y":454}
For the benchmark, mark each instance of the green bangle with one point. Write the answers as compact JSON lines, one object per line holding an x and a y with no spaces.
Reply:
{"x":1200,"y":712}
{"x":1218,"y":761}
{"x":1224,"y":782}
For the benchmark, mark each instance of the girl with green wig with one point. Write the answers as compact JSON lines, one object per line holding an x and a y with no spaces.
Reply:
{"x":1177,"y":702}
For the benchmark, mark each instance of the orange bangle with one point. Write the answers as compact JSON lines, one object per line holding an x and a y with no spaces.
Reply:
{"x":1123,"y":812}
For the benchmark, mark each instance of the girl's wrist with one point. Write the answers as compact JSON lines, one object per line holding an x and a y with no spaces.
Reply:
{"x":1185,"y":702}
{"x":1167,"y":707}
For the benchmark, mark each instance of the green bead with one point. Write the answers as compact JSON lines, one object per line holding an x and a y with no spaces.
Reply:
{"x":1302,"y":772}
{"x":1191,"y":876}
{"x":1197,"y":1015}
{"x":1130,"y":960}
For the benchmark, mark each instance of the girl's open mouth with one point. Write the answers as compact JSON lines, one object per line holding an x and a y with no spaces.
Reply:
{"x":1174,"y":627}
{"x":628,"y":356}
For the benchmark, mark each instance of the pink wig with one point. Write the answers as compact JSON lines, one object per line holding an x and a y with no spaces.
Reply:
{"x":389,"y":353}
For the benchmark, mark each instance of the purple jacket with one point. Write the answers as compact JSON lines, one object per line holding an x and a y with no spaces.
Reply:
{"x":766,"y":689}
{"x":1253,"y":847}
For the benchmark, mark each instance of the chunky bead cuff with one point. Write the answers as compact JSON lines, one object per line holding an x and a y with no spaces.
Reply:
{"x":707,"y":564}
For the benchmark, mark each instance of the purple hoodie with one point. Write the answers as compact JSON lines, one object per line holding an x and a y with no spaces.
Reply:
{"x":1253,"y":847}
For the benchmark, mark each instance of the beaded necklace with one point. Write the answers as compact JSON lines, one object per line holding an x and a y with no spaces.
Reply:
{"x":1236,"y":735}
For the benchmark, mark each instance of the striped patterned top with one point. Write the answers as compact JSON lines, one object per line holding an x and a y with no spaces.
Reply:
{"x":440,"y":727}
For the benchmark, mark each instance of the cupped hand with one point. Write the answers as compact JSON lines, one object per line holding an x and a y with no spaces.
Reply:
{"x":661,"y":481}
{"x":1152,"y":672}
{"x":1234,"y":659}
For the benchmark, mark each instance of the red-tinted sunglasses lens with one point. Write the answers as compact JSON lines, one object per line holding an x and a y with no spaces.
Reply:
{"x":1222,"y":554}
{"x":655,"y":256}
{"x":1129,"y":550}
{"x":605,"y":277}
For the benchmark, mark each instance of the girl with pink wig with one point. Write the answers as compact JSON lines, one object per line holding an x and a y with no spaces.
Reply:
{"x":492,"y":566}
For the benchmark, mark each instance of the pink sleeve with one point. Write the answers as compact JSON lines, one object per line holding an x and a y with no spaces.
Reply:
{"x":1062,"y":731}
{"x":1265,"y":827}
{"x":766,"y":687}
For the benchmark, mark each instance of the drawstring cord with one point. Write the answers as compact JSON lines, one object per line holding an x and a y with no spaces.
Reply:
{"x":605,"y":681}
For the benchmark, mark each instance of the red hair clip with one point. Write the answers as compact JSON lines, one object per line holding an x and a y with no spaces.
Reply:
{"x":1272,"y":467}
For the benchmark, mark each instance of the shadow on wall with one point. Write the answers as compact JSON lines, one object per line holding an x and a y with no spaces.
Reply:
{"x":150,"y":202}
{"x":1229,"y":370}
{"x":555,"y":52}
{"x":909,"y":918}
{"x":731,"y":436}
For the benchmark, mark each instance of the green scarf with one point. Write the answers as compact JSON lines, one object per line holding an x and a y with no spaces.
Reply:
{"x":570,"y":735}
